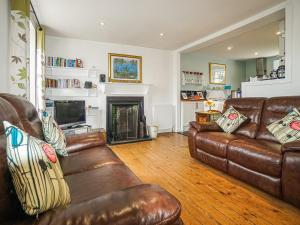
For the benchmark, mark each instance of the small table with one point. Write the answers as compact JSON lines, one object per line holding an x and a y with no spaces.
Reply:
{"x":207,"y":117}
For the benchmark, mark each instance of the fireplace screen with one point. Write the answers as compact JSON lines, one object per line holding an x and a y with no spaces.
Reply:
{"x":125,"y":122}
{"x":125,"y":119}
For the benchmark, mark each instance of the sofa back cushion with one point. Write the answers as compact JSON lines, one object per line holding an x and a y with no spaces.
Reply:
{"x":9,"y":204}
{"x":27,"y":114}
{"x":275,"y":109}
{"x":252,"y":109}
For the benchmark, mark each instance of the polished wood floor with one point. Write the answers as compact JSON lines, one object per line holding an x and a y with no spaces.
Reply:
{"x":207,"y":195}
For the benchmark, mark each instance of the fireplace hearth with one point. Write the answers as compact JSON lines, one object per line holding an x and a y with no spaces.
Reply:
{"x":125,"y":120}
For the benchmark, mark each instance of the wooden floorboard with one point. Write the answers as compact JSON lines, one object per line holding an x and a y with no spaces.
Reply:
{"x":207,"y":196}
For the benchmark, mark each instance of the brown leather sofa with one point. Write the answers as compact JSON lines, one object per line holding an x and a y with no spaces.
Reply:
{"x":103,"y":190}
{"x":251,"y":153}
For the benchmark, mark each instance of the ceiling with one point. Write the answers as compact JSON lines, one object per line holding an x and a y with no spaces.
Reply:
{"x":260,"y":42}
{"x":140,"y":22}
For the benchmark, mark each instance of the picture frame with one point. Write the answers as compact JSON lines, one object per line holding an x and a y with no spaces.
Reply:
{"x":184,"y":96}
{"x":217,"y":73}
{"x":200,"y":94}
{"x":125,"y":68}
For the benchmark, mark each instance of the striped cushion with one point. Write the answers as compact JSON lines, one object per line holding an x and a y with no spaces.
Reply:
{"x":36,"y":172}
{"x":54,"y":135}
{"x":231,"y":120}
{"x":288,"y":128}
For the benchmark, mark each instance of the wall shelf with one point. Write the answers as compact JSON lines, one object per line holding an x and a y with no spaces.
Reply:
{"x":70,"y":72}
{"x":71,"y":92}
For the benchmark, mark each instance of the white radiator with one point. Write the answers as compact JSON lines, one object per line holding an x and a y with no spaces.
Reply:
{"x":162,"y":116}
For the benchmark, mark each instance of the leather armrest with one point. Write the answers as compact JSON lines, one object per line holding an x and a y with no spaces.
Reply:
{"x":80,"y":142}
{"x":293,"y":146}
{"x":206,"y":127}
{"x":139,"y":205}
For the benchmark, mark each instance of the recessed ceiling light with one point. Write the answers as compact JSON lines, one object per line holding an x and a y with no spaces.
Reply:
{"x":255,"y":53}
{"x":278,"y":33}
{"x":102,"y":23}
{"x":229,"y":48}
{"x":161,"y":34}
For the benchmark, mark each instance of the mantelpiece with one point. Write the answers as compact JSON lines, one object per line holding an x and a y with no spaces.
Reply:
{"x":126,"y":89}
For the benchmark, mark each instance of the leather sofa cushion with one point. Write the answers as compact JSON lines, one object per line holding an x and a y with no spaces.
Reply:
{"x":252,"y":109}
{"x":88,"y":159}
{"x":275,"y":109}
{"x":214,"y":143}
{"x":79,"y":142}
{"x":258,"y":155}
{"x":27,"y":115}
{"x":88,"y":185}
{"x":139,"y":205}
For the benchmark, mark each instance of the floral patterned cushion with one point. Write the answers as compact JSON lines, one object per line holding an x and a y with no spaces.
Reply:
{"x":288,"y":128}
{"x":54,"y":135}
{"x":231,"y":120}
{"x":36,"y":172}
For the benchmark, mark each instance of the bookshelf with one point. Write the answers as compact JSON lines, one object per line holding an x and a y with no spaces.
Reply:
{"x":70,"y":75}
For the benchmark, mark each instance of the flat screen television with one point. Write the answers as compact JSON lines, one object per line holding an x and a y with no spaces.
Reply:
{"x":69,"y":113}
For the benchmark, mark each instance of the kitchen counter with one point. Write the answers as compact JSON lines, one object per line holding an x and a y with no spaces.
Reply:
{"x":192,"y":100}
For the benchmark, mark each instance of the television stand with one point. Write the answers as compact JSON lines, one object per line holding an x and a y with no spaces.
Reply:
{"x":77,"y":129}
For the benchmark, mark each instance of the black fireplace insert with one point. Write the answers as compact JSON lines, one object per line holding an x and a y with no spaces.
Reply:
{"x":125,"y":120}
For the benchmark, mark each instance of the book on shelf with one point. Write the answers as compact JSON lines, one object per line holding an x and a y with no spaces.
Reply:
{"x":62,"y":83}
{"x":62,"y":62}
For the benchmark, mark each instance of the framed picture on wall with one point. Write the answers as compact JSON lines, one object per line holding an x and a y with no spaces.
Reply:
{"x":217,"y":73}
{"x":200,"y":94}
{"x":184,"y":96}
{"x":125,"y":68}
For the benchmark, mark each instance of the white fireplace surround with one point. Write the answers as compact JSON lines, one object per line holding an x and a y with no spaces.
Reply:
{"x":126,"y":89}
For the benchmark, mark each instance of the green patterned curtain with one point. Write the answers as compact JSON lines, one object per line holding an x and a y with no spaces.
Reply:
{"x":19,"y":47}
{"x":40,"y":55}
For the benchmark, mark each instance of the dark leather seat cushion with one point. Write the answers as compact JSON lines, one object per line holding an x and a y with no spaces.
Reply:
{"x":258,"y":155}
{"x":214,"y":143}
{"x":139,"y":205}
{"x":94,"y":183}
{"x":88,"y":159}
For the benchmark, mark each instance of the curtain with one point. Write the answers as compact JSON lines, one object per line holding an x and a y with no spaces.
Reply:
{"x":19,"y":48}
{"x":40,"y":73}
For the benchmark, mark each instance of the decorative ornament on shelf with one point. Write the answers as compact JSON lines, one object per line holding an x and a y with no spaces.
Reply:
{"x":210,"y":104}
{"x":102,"y":78}
{"x":189,"y":77}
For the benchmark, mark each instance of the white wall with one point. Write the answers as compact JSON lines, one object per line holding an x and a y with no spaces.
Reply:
{"x":291,"y":85}
{"x":199,"y":62}
{"x":157,"y":66}
{"x":4,"y":25}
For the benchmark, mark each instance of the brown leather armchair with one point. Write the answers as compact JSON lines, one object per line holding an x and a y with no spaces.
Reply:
{"x":103,"y":189}
{"x":252,"y":154}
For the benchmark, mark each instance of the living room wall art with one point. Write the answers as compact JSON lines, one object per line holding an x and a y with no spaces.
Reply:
{"x":125,"y":68}
{"x":217,"y":73}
